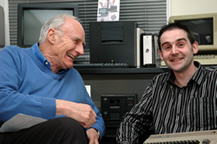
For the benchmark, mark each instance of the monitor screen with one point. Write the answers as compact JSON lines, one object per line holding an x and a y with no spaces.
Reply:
{"x":202,"y":29}
{"x":32,"y":16}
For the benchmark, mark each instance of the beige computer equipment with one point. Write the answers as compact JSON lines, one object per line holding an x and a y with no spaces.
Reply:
{"x":199,"y":137}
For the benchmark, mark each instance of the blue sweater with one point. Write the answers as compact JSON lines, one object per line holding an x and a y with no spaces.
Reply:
{"x":30,"y":87}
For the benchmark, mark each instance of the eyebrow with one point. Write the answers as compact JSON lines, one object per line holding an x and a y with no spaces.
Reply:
{"x":180,"y":39}
{"x":79,"y":39}
{"x":84,"y":43}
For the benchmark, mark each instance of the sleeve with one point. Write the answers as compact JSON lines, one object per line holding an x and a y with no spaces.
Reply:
{"x":99,"y":125}
{"x":11,"y":100}
{"x":137,"y":121}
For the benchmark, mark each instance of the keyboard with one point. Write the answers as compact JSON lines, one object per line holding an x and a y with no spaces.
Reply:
{"x":197,"y":137}
{"x":102,"y":65}
{"x":209,"y":60}
{"x":206,"y":59}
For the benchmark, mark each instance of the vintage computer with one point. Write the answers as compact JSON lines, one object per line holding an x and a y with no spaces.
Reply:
{"x":204,"y":27}
{"x":115,"y":43}
{"x":196,"y":137}
{"x":113,"y":107}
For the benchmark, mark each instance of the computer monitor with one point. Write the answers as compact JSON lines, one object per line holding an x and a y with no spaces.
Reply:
{"x":204,"y":27}
{"x":31,"y":17}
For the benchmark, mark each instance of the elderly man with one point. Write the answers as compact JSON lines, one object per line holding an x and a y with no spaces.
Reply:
{"x":41,"y":81}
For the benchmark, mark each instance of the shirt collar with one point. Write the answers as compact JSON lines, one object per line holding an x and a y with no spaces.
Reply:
{"x":36,"y":51}
{"x":197,"y":77}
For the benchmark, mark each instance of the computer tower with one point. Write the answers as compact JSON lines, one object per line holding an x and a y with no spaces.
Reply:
{"x":115,"y":42}
{"x":113,"y":109}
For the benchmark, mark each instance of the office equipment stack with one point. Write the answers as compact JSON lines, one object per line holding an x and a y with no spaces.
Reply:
{"x":113,"y":108}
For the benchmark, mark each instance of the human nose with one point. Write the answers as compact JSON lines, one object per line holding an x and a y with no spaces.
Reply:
{"x":174,"y":50}
{"x":80,"y":49}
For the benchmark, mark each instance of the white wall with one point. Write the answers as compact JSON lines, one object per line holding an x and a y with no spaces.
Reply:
{"x":4,"y":4}
{"x":186,"y":7}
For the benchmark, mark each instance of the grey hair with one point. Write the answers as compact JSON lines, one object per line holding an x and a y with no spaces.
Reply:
{"x":55,"y":22}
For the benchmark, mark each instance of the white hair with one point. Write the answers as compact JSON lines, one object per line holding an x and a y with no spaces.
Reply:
{"x":55,"y":22}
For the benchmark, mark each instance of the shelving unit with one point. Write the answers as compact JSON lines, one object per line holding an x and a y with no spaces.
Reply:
{"x":116,"y":81}
{"x":148,"y":70}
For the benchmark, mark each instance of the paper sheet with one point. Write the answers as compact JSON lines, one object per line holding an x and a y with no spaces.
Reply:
{"x":20,"y":121}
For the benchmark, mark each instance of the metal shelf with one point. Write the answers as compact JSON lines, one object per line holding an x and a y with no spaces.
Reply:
{"x":146,"y":70}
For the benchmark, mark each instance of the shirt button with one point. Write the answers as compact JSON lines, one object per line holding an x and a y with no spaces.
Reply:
{"x":46,"y":63}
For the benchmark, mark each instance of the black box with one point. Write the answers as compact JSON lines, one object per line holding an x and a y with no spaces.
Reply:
{"x":114,"y":42}
{"x":113,"y":108}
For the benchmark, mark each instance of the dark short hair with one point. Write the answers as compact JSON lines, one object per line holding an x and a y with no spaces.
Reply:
{"x":176,"y":25}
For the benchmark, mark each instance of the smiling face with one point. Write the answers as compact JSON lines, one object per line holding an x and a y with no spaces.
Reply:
{"x":67,"y":44}
{"x":176,"y":50}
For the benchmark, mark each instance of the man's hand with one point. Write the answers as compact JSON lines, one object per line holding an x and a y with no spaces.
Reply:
{"x":93,"y":136}
{"x":83,"y":113}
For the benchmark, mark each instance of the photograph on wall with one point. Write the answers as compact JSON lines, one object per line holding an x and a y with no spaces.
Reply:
{"x":108,"y":10}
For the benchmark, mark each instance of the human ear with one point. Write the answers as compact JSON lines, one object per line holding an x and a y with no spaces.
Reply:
{"x":195,"y":47}
{"x":51,"y":35}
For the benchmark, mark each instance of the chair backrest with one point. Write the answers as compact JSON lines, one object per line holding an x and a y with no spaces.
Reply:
{"x":2,"y":27}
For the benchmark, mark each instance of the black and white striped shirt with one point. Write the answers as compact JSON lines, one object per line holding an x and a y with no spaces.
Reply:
{"x":171,"y":109}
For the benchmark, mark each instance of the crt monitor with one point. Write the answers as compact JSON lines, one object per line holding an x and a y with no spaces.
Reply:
{"x":31,"y":17}
{"x":204,"y":28}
